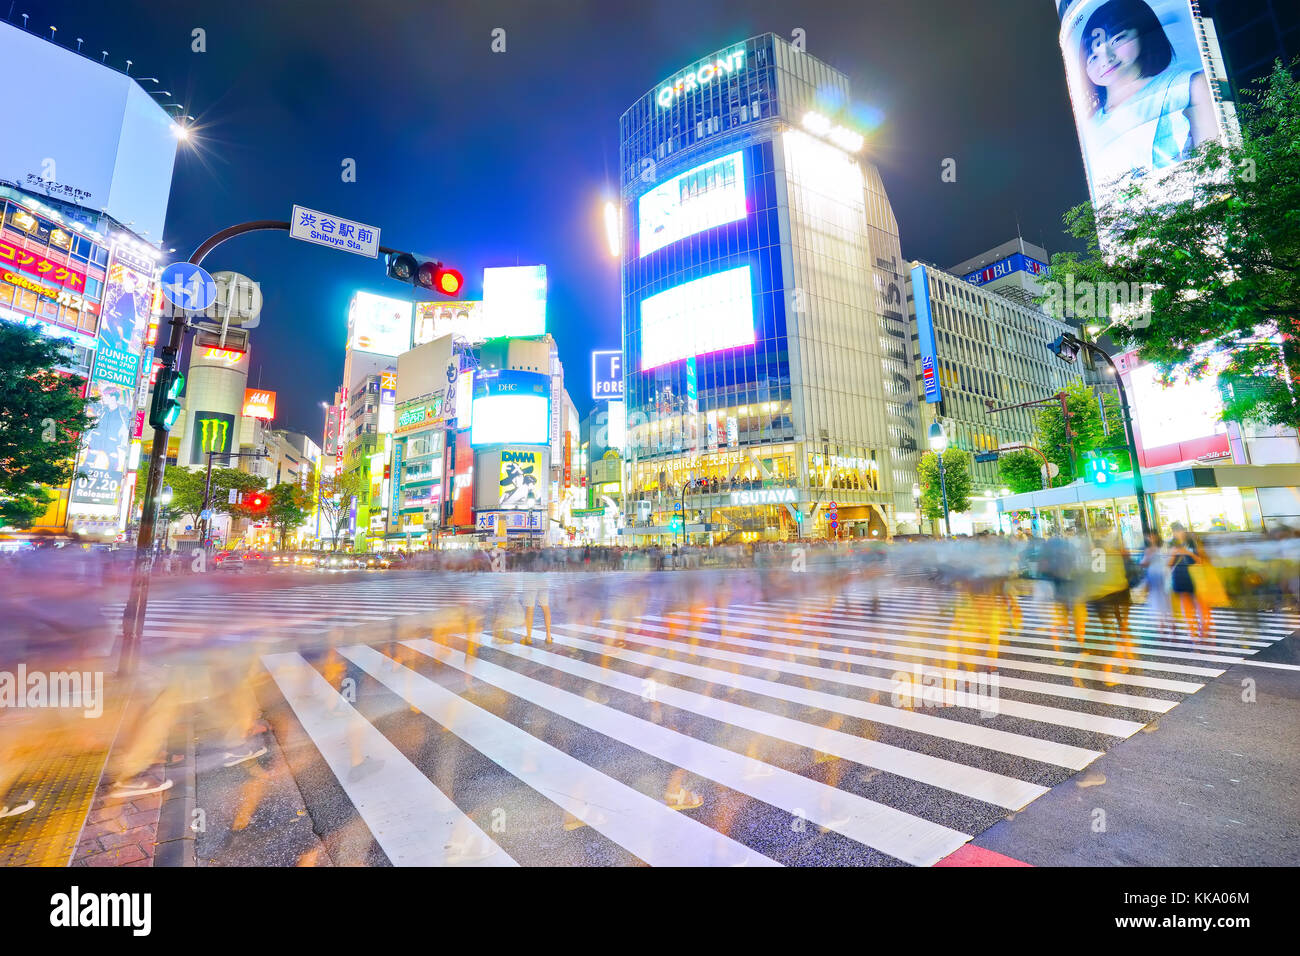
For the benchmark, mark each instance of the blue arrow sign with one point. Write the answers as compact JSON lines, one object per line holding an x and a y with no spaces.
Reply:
{"x":188,"y":286}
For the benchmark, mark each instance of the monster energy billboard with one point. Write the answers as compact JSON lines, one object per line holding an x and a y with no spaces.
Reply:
{"x":213,"y":431}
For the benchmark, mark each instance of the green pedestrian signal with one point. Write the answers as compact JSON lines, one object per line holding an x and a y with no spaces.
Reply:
{"x":1099,"y":471}
{"x":676,"y":525}
{"x":166,"y":405}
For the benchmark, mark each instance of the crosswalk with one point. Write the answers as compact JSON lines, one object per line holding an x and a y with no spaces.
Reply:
{"x":777,"y":730}
{"x":310,"y":611}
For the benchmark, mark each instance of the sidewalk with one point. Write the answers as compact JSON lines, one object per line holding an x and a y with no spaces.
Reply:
{"x":1211,"y":783}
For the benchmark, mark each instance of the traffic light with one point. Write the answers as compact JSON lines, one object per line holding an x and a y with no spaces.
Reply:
{"x":166,"y":405}
{"x":428,"y":274}
{"x":676,"y":525}
{"x":1099,"y":470}
{"x":258,"y":501}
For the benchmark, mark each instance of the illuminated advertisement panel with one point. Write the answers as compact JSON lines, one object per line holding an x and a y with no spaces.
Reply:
{"x":521,"y":474}
{"x":514,"y":301}
{"x":213,"y":432}
{"x":511,"y":408}
{"x":418,"y":414}
{"x":709,"y":195}
{"x":259,"y":403}
{"x":379,"y":324}
{"x":119,"y":154}
{"x":462,"y":507}
{"x":697,"y":317}
{"x":1179,"y":419}
{"x":332,"y":420}
{"x":461,"y":319}
{"x":124,"y":316}
{"x":1139,"y":85}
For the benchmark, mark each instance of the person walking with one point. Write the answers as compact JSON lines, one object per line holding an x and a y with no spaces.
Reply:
{"x":1155,"y":565}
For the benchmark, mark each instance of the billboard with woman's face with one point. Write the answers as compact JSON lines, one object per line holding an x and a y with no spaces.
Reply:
{"x":1140,"y":88}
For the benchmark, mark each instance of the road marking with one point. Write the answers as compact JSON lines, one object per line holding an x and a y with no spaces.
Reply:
{"x":901,"y":835}
{"x":412,"y":820}
{"x":646,"y":828}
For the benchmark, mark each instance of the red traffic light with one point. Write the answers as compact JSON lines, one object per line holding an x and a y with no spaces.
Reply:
{"x":257,"y":502}
{"x":449,"y":281}
{"x":436,"y":277}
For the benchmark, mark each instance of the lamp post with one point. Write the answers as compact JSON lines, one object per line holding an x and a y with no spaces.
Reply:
{"x":916,"y":498}
{"x":1066,"y":347}
{"x":939,"y":444}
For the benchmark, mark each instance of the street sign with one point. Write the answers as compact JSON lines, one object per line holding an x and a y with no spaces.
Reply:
{"x":310,"y":225}
{"x":188,"y":286}
{"x":233,"y":496}
{"x":986,"y":456}
{"x":205,"y":514}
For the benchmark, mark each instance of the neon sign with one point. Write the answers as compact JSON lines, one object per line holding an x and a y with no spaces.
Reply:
{"x":696,"y":79}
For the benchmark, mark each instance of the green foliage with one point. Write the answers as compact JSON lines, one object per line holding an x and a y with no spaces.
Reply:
{"x":42,"y":416}
{"x":335,"y":496}
{"x":288,"y":509}
{"x":1020,"y":471}
{"x":956,"y":479}
{"x":1222,"y":261}
{"x":1089,"y":433}
{"x":187,"y":490}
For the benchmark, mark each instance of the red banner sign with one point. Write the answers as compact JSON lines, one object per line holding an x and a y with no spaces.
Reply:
{"x":10,"y":254}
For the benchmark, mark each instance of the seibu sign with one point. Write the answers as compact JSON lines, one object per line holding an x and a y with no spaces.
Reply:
{"x":700,"y":77}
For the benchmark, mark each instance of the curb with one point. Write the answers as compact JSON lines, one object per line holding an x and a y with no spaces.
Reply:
{"x":175,"y":845}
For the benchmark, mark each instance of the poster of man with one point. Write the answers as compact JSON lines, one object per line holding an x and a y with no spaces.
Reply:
{"x":519,"y":478}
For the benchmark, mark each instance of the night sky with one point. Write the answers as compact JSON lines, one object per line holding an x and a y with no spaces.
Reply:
{"x":489,"y":159}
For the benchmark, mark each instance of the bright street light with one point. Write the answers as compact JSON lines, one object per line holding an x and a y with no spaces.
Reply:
{"x":938,"y":440}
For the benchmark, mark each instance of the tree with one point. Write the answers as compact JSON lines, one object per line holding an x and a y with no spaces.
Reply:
{"x":226,"y":480}
{"x":956,"y":480}
{"x":42,"y":416}
{"x":187,"y":494}
{"x":1219,"y":254}
{"x":334,"y":499}
{"x":287,"y":509}
{"x":1021,"y":471}
{"x":1089,"y":431}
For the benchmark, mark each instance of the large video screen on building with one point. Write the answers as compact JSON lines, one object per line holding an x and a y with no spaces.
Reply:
{"x":379,"y":324}
{"x":462,"y":319}
{"x":514,"y":301}
{"x":709,"y":195}
{"x":118,"y":153}
{"x":511,"y":408}
{"x":1139,"y":85}
{"x":697,"y":317}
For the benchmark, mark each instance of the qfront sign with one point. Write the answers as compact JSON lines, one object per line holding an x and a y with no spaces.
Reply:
{"x":700,"y":77}
{"x":764,"y":496}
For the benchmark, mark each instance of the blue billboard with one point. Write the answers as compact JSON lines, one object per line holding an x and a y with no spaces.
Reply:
{"x":925,"y":334}
{"x":1016,"y":262}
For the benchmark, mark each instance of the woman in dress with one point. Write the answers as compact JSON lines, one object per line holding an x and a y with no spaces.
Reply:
{"x":1147,"y":111}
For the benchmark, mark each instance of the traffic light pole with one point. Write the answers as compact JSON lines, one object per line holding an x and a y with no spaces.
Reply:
{"x":138,"y":599}
{"x":1127,"y":414}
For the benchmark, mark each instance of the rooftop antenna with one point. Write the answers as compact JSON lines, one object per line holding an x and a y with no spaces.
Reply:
{"x":79,"y":42}
{"x":104,"y":58}
{"x":24,"y":21}
{"x":53,"y":30}
{"x":128,"y":67}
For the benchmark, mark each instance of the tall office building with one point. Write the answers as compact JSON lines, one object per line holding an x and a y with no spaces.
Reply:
{"x":981,"y":349}
{"x":765,"y":341}
{"x":1252,"y":34}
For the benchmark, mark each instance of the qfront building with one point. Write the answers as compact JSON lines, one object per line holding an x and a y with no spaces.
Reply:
{"x":765,"y":338}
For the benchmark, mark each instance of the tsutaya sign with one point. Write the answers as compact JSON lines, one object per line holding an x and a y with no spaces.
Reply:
{"x":702,"y":76}
{"x":765,"y":496}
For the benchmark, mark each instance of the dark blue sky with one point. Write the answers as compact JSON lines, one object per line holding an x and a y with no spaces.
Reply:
{"x":487,"y":159}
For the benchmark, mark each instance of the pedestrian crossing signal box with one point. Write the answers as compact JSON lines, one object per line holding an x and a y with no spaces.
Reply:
{"x":1100,"y":471}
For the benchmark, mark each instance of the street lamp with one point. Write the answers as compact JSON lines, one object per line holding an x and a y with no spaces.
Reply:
{"x":1067,"y":347}
{"x":939,"y":444}
{"x":916,"y":498}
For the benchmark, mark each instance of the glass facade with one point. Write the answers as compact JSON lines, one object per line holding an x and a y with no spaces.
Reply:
{"x":825,"y":380}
